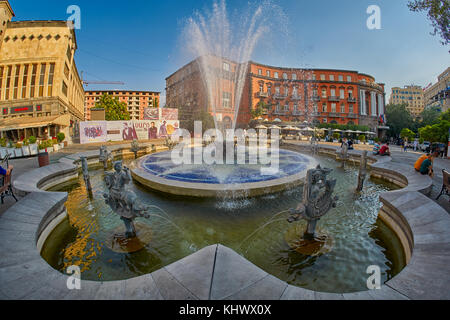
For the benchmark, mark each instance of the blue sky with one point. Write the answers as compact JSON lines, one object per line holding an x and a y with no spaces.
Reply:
{"x":138,"y":42}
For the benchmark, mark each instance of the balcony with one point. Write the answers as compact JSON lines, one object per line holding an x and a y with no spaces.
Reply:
{"x":352,"y":116}
{"x":279,"y":112}
{"x":280,"y":96}
{"x":316,"y":98}
{"x":261,"y":95}
{"x":333,"y":98}
{"x":334,"y":115}
{"x":296,"y":97}
{"x":298,"y":113}
{"x":352,"y":99}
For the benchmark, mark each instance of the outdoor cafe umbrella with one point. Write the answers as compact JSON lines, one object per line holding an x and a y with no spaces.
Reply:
{"x":261,"y":127}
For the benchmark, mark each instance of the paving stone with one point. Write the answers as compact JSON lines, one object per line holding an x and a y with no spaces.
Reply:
{"x":296,"y":293}
{"x":113,"y":290}
{"x":88,"y":291}
{"x":142,"y":288}
{"x":16,"y":271}
{"x":195,"y":271}
{"x":269,"y":288}
{"x":232,"y":273}
{"x":328,"y":296}
{"x":170,"y":288}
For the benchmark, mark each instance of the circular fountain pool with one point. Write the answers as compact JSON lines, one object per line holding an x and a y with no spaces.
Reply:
{"x":159,"y":172}
{"x":254,"y":227}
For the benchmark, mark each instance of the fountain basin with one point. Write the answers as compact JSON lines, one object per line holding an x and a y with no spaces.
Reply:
{"x":159,"y":173}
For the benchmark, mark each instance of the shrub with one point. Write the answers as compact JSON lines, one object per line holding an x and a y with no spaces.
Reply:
{"x":362,"y":138}
{"x":60,"y":136}
{"x":376,"y":139}
{"x":18,"y":145}
{"x":3,"y":142}
{"x":32,"y":139}
{"x":336,"y":135}
{"x":26,"y":142}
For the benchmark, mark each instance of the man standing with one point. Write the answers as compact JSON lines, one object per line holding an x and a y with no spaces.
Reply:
{"x":153,"y":132}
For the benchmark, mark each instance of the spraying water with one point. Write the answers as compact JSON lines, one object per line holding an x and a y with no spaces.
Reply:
{"x":224,"y":52}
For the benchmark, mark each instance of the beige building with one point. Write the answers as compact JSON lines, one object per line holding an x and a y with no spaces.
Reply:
{"x":412,"y":95}
{"x":438,"y":95}
{"x":41,"y":92}
{"x":137,"y":101}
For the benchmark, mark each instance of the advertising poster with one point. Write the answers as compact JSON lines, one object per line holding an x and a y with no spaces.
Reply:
{"x":169,"y":114}
{"x":93,"y":131}
{"x":151,"y":114}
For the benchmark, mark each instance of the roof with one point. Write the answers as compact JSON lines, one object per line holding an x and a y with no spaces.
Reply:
{"x":33,"y":122}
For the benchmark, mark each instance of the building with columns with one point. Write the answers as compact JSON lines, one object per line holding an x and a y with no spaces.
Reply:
{"x":41,"y":92}
{"x":288,"y":94}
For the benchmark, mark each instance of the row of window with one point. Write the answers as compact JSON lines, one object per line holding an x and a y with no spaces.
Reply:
{"x":285,"y":76}
{"x":26,"y":81}
{"x":324,"y":108}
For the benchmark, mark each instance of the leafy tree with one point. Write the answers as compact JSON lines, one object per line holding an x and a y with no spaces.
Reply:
{"x":430,"y":116}
{"x":407,"y":134}
{"x":438,"y":12}
{"x":259,"y":110}
{"x":398,"y":117}
{"x":206,"y":119}
{"x":155,"y":103}
{"x":438,"y":132}
{"x":114,"y":109}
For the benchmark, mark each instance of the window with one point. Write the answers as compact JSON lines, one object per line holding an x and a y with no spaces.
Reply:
{"x":349,"y":78}
{"x":294,"y":76}
{"x":261,"y":88}
{"x":269,"y":90}
{"x":268,"y":73}
{"x":286,"y":91}
{"x":295,"y":92}
{"x":333,"y":107}
{"x":33,"y":80}
{"x":285,"y":76}
{"x":276,"y":75}
{"x":226,"y":100}
{"x":350,"y":108}
{"x":324,"y":107}
{"x":331,"y":77}
{"x":50,"y":79}
{"x":277,"y":90}
{"x":64,"y":88}
{"x":286,"y":108}
{"x":1,"y":81}
{"x":315,"y":93}
{"x":24,"y":82}
{"x":41,"y":80}
{"x":314,"y":76}
{"x":315,"y":108}
{"x":278,"y":107}
{"x":341,"y":78}
{"x":8,"y":82}
{"x":295,"y":109}
{"x":69,"y":54}
{"x":260,"y":72}
{"x":322,"y":77}
{"x":226,"y":66}
{"x":342,"y":93}
{"x":16,"y":81}
{"x":342,"y":108}
{"x":350,"y":93}
{"x":333,"y":92}
{"x":324,"y":93}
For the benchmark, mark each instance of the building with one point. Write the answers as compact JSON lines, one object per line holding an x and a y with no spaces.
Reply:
{"x":412,"y":95}
{"x":287,"y":94}
{"x":137,"y":101}
{"x":41,"y":93}
{"x":438,"y":95}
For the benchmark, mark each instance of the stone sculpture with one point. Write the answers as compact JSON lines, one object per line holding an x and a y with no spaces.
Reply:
{"x":344,"y":153}
{"x":104,"y":156}
{"x":135,"y":148}
{"x":318,"y":199}
{"x":362,"y":171}
{"x":85,"y":169}
{"x":123,"y":201}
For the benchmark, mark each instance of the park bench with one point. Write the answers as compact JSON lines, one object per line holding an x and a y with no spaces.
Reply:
{"x":445,"y":185}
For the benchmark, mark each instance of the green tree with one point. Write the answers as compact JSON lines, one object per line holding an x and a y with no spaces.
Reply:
{"x":114,"y":109}
{"x":259,"y":110}
{"x":438,"y":12}
{"x":155,"y":103}
{"x":398,"y":117}
{"x":429,"y":116}
{"x":407,"y":134}
{"x":205,"y":118}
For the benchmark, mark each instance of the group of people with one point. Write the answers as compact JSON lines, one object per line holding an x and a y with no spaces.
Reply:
{"x":381,"y":151}
{"x":348,"y":142}
{"x":424,"y":164}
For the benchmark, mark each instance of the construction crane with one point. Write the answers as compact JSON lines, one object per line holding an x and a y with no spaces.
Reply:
{"x":87,"y":83}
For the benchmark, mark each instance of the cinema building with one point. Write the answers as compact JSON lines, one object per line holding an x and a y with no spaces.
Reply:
{"x":287,"y":94}
{"x":41,"y":93}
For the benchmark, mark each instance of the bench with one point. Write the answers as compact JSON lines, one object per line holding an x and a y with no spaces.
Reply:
{"x":445,"y":185}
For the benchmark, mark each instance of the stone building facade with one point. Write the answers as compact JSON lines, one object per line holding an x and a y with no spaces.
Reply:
{"x":412,"y":95}
{"x":438,"y":95}
{"x":41,"y":92}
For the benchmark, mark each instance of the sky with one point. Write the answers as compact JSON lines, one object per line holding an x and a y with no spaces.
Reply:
{"x":141,"y":42}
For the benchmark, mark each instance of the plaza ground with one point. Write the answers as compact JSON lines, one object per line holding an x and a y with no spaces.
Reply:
{"x":22,"y":166}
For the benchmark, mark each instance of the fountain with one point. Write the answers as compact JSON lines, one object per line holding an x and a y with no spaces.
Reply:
{"x":87,"y":179}
{"x":344,"y":153}
{"x":125,"y":203}
{"x":317,"y":201}
{"x":135,"y":148}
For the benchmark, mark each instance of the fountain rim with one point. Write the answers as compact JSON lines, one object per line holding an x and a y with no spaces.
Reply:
{"x":207,"y":190}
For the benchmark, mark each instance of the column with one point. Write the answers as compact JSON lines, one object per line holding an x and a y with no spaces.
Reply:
{"x":362,"y":99}
{"x":373,"y":103}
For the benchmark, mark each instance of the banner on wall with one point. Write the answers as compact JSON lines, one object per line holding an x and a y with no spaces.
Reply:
{"x":93,"y":131}
{"x":151,"y":114}
{"x":169,"y":114}
{"x":103,"y":131}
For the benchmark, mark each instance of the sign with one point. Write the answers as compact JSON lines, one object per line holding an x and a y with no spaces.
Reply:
{"x":169,"y":114}
{"x":93,"y":131}
{"x":151,"y":114}
{"x":19,"y":110}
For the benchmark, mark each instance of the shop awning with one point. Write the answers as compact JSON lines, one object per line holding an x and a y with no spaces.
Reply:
{"x":35,"y":122}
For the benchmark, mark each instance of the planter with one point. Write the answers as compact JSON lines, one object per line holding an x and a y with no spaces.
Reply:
{"x":33,"y":149}
{"x":43,"y":159}
{"x":18,"y":152}
{"x":26,"y":151}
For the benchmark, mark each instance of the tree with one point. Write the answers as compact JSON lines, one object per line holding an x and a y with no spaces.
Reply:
{"x":407,"y":134}
{"x":430,"y":116}
{"x":205,"y":118}
{"x":259,"y":110}
{"x":155,"y":103}
{"x":114,"y":109}
{"x":398,"y":117}
{"x":438,"y":12}
{"x":438,"y":132}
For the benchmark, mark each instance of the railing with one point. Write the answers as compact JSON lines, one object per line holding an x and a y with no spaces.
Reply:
{"x":333,"y":98}
{"x":280,"y":96}
{"x":352,"y":116}
{"x":262,"y":95}
{"x":296,"y":97}
{"x":316,"y":98}
{"x":351,"y":99}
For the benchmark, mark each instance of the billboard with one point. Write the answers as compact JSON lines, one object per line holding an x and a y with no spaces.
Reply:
{"x":151,"y":114}
{"x":93,"y":131}
{"x":169,"y":114}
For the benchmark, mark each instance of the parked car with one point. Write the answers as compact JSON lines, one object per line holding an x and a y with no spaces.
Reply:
{"x":425,"y":146}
